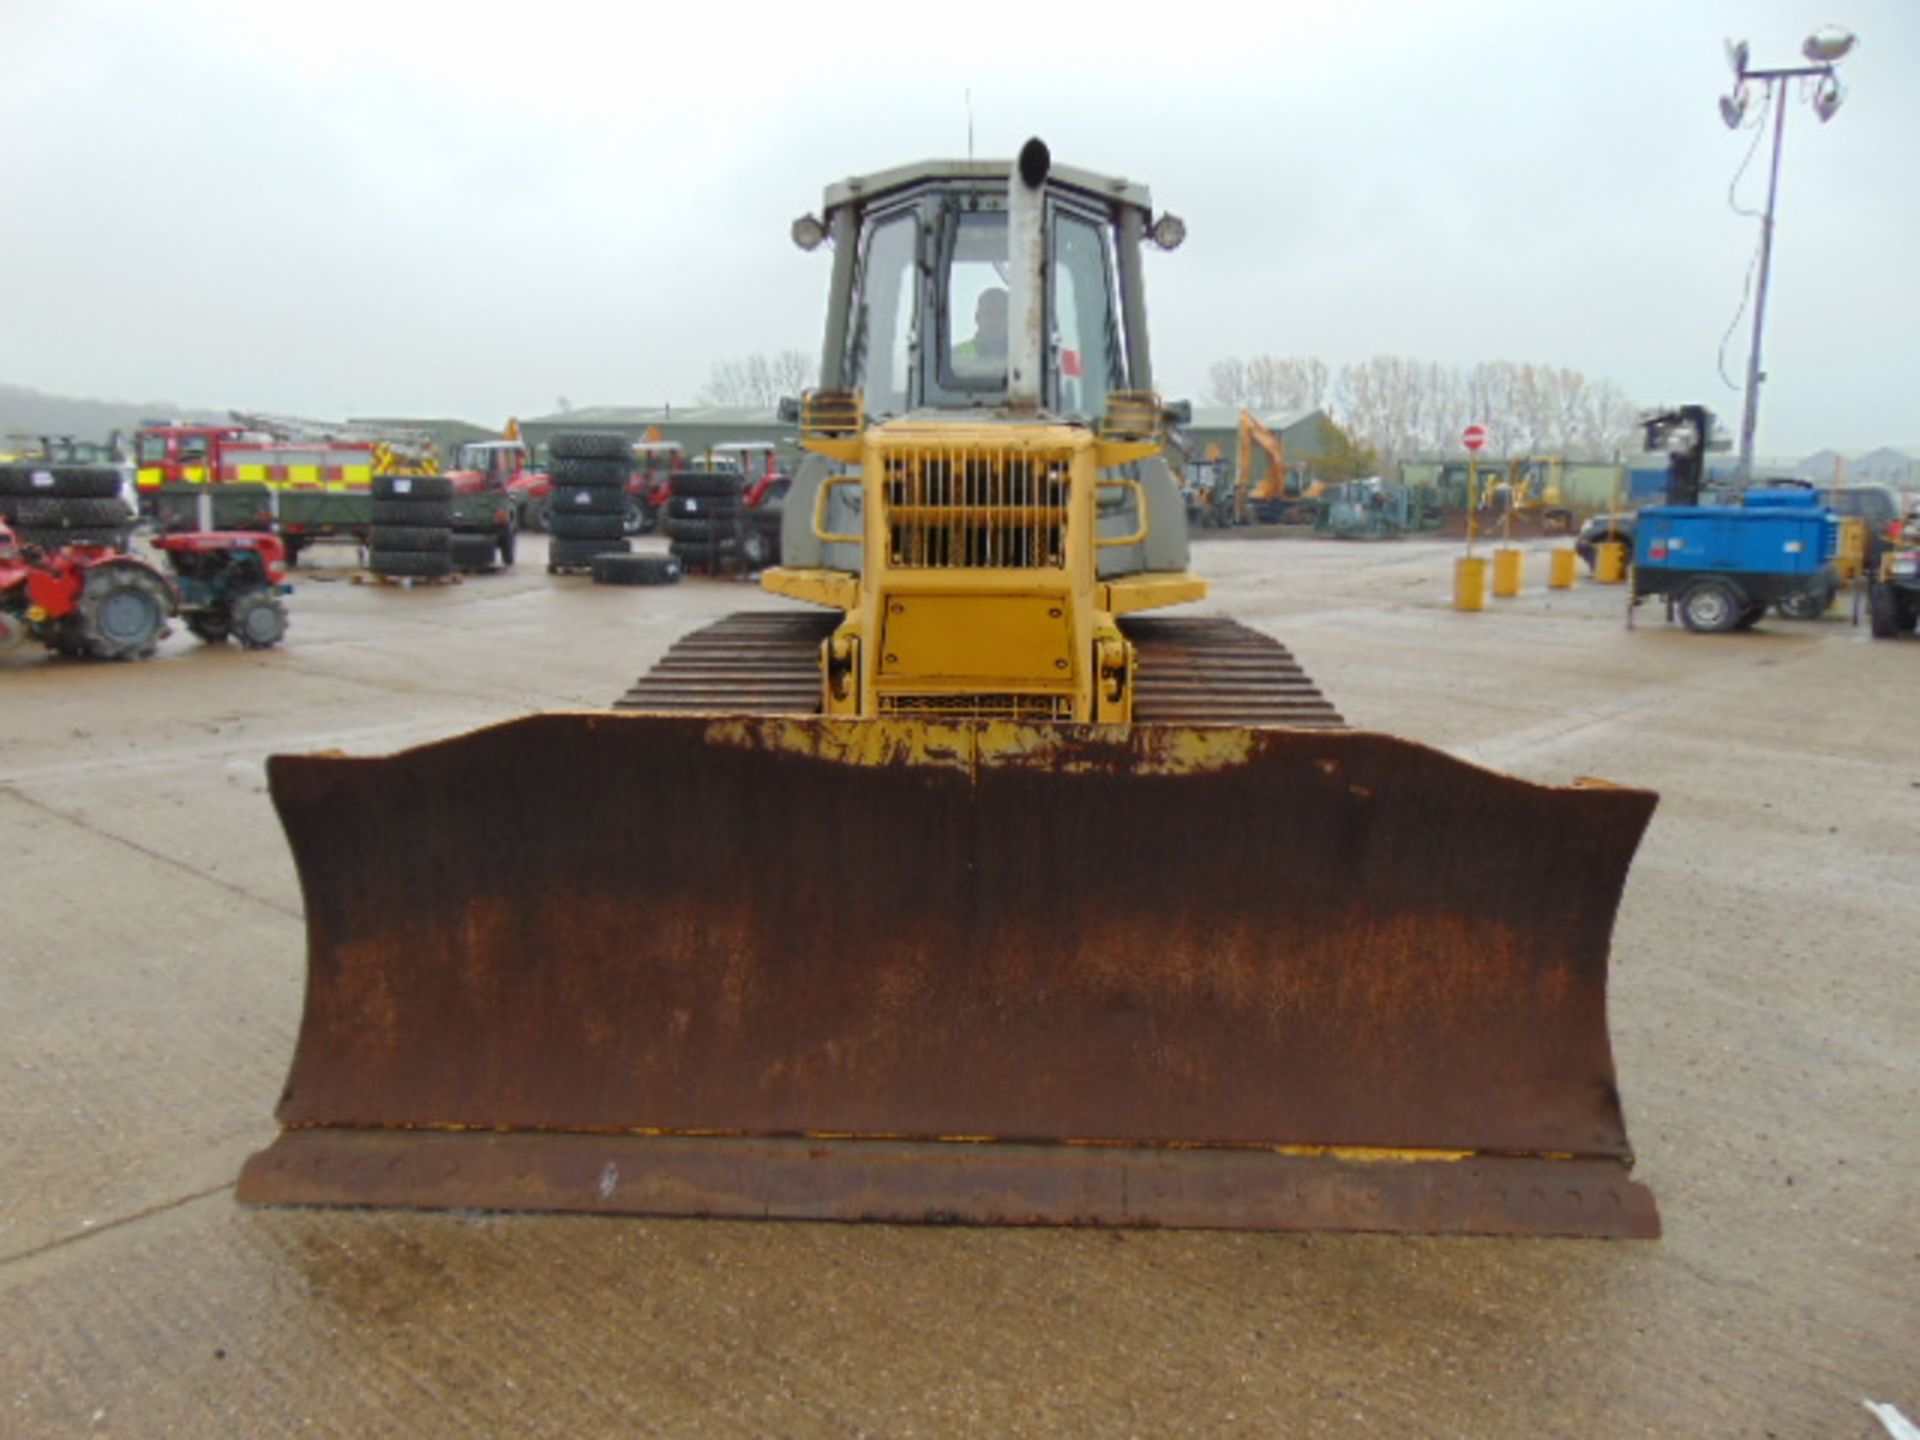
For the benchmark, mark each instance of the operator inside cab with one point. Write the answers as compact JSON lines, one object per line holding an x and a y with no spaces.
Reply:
{"x":986,"y":353}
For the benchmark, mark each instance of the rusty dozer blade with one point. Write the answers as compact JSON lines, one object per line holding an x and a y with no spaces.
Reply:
{"x":978,"y":972}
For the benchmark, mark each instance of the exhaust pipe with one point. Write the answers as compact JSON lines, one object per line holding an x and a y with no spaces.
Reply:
{"x":1026,"y":290}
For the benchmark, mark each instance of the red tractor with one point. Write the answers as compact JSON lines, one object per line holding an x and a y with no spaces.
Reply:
{"x":91,"y":601}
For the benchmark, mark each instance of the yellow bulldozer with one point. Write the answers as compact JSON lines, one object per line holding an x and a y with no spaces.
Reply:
{"x":988,"y":895}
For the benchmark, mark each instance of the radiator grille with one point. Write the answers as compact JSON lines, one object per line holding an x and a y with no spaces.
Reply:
{"x":972,"y":508}
{"x":1041,"y":708}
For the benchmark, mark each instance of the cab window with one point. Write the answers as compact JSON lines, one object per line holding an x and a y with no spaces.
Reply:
{"x":886,"y":318}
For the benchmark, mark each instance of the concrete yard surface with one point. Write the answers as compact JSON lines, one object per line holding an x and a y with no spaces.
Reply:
{"x":1764,"y":1005}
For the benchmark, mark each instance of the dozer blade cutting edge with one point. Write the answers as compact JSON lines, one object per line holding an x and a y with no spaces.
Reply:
{"x":980,"y":972}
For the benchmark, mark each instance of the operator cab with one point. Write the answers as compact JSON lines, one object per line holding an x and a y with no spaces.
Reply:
{"x":923,"y":318}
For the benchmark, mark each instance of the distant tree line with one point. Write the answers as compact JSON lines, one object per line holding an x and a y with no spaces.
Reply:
{"x":1401,"y":408}
{"x":758,"y":381}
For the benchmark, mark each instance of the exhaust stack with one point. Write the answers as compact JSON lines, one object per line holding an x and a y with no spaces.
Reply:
{"x":1026,"y":291}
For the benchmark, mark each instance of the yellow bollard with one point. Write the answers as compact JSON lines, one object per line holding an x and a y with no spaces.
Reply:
{"x":1469,"y":583}
{"x":1560,"y":575}
{"x":1610,"y":562}
{"x":1509,"y":568}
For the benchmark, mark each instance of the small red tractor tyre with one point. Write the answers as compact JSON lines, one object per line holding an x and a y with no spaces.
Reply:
{"x":122,"y":611}
{"x":257,"y":620}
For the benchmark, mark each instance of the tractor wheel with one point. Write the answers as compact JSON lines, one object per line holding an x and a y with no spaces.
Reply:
{"x":588,"y":526}
{"x":123,"y":610}
{"x":421,"y":564}
{"x":472,"y":552}
{"x":1804,"y":604}
{"x":580,"y":470}
{"x":258,"y":620}
{"x":111,"y":539}
{"x":585,"y":500}
{"x":1711,"y":607}
{"x":533,"y":512}
{"x":703,"y":483}
{"x":578,"y":554}
{"x":635,"y":570}
{"x":67,"y":482}
{"x":1750,"y":617}
{"x":755,"y":552}
{"x":636,"y":519}
{"x":60,"y":512}
{"x":589,"y":445}
{"x":402,"y":510}
{"x":408,"y":537}
{"x":507,"y":542}
{"x":1885,"y":612}
{"x":412,"y":487}
{"x":210,"y":626}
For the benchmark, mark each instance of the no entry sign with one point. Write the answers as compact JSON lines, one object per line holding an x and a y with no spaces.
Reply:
{"x":1474,"y":437}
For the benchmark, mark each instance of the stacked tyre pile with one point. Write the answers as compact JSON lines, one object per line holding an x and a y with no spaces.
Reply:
{"x":586,"y":510}
{"x":411,"y":536}
{"x":55,"y":505}
{"x":710,"y":528}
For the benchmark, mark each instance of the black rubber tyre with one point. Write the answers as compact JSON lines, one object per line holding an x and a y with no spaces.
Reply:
{"x":61,"y":512}
{"x":1805,"y":604}
{"x":589,"y":526}
{"x":1750,"y":617}
{"x":1711,"y":607}
{"x":533,"y":512}
{"x":409,"y":537}
{"x":423,"y":564}
{"x":113,"y":538}
{"x":210,"y":626}
{"x":637,"y":518}
{"x":578,"y":554}
{"x":703,"y":507}
{"x":123,"y":610}
{"x":507,"y":541}
{"x":756,"y":551}
{"x":636,"y":570}
{"x":1885,"y":613}
{"x":585,"y":500}
{"x":408,"y":511}
{"x":701,"y":484}
{"x":412,"y":487}
{"x":472,"y":552}
{"x":697,"y":531}
{"x":590,"y":445}
{"x":580,"y":470}
{"x":71,"y":482}
{"x":258,"y":620}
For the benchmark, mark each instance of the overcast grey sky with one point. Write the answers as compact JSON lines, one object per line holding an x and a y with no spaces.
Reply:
{"x":474,"y":209}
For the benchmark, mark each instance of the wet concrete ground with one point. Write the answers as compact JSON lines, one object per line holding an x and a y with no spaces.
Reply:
{"x":1765,"y":1016}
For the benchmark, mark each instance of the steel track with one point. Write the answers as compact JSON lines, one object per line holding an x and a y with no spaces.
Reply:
{"x":1190,"y":671}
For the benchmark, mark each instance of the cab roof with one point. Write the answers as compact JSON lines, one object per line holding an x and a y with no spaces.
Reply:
{"x":1109,"y":189}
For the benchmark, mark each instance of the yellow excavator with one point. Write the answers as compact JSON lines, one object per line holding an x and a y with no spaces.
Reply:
{"x":1269,"y":498}
{"x":969,"y":889}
